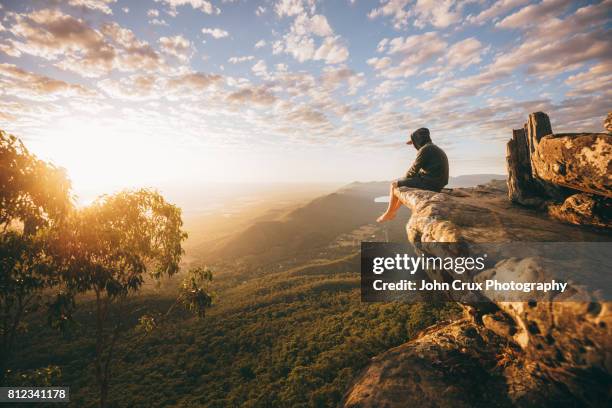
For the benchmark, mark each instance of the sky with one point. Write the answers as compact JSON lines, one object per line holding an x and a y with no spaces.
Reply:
{"x":188,"y":92}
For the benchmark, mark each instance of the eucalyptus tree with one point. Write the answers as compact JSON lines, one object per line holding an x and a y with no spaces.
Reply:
{"x":111,"y":248}
{"x":34,"y":202}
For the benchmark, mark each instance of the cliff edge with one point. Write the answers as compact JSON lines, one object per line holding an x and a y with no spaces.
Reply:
{"x":510,"y":353}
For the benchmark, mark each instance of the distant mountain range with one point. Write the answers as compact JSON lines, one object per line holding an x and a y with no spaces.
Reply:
{"x":299,"y":233}
{"x":471,"y":180}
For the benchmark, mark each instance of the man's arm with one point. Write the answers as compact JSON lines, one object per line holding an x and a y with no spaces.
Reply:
{"x":417,"y":165}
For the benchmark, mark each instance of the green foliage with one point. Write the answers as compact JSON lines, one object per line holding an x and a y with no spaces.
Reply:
{"x":107,"y":248}
{"x":147,"y":323}
{"x":34,"y":201}
{"x":33,"y":193}
{"x":297,"y":345}
{"x":60,"y":311}
{"x":110,"y":247}
{"x":39,"y":377}
{"x":194,"y":293}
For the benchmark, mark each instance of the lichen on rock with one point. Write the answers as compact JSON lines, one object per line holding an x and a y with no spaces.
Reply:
{"x":545,"y":169}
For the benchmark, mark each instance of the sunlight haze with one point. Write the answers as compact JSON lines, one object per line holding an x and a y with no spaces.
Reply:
{"x":159,"y":93}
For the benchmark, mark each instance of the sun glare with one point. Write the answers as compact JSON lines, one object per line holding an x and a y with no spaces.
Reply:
{"x":102,"y":156}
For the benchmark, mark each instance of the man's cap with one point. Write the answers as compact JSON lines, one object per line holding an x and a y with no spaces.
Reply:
{"x":418,"y":132}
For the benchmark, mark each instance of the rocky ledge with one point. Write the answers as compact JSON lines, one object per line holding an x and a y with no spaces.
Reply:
{"x":502,"y":353}
{"x":505,"y":353}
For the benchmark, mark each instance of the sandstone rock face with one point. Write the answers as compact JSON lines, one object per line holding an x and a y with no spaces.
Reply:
{"x":537,"y":126}
{"x":583,"y":209}
{"x":522,"y":187}
{"x":514,"y":353}
{"x":544,"y":169}
{"x":581,"y":161}
{"x":482,"y":214}
{"x":451,"y":365}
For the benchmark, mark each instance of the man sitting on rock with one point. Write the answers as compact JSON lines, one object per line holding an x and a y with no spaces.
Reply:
{"x":428,"y":172}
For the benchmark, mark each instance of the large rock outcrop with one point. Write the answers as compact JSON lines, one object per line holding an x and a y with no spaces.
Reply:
{"x":547,"y":169}
{"x":555,"y":351}
{"x":448,"y":365}
{"x":514,"y":353}
{"x":580,"y":161}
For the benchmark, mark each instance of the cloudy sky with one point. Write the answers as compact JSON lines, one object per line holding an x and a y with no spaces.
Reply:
{"x":128,"y":93}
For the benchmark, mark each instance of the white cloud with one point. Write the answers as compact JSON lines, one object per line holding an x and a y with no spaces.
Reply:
{"x":252,"y":96}
{"x":293,"y":7}
{"x":331,"y":51}
{"x":438,"y":13}
{"x":547,"y":49}
{"x":71,"y":44}
{"x":334,"y":77}
{"x":306,"y":114}
{"x":215,"y":32}
{"x":27,"y":85}
{"x":496,"y":9}
{"x":382,"y":45}
{"x":133,"y":87}
{"x":317,"y":25}
{"x":379,"y":63}
{"x":177,"y":46}
{"x":464,"y":53}
{"x":158,"y":22}
{"x":302,"y":48}
{"x":260,"y":68}
{"x":153,"y":14}
{"x":303,"y":36}
{"x":97,"y":5}
{"x":55,"y":36}
{"x":597,"y":79}
{"x":408,"y":54}
{"x":533,"y":14}
{"x":237,"y":60}
{"x":193,"y":82}
{"x":260,"y":44}
{"x":394,"y":8}
{"x":202,"y":5}
{"x":10,"y":49}
{"x":386,"y":87}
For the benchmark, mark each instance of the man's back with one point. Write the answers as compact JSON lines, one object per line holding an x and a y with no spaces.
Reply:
{"x":434,"y":164}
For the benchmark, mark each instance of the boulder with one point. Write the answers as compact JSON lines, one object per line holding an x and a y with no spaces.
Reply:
{"x":504,"y":353}
{"x":584,"y":209}
{"x":547,"y":170}
{"x":448,"y":365}
{"x":579,"y":161}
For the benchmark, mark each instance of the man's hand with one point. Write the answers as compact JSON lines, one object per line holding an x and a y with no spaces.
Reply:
{"x":394,"y":184}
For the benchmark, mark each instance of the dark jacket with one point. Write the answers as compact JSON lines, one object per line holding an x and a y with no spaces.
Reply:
{"x":431,"y":163}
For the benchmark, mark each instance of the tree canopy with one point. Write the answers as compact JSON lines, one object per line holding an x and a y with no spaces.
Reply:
{"x":34,"y":198}
{"x":51,"y":251}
